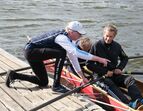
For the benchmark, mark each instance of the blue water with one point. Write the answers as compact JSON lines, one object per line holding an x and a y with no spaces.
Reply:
{"x":19,"y":18}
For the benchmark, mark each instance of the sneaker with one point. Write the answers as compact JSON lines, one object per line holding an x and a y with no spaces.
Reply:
{"x":9,"y":78}
{"x":60,"y":89}
{"x":141,"y":100}
{"x":135,"y":104}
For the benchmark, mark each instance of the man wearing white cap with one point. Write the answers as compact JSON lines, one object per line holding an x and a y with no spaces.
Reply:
{"x":54,"y":44}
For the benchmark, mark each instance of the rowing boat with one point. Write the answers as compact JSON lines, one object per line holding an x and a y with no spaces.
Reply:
{"x":94,"y":92}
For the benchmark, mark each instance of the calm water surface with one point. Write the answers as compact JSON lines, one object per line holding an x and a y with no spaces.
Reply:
{"x":19,"y":18}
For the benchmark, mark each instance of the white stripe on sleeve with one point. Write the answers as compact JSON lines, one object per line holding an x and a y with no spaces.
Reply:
{"x":73,"y":52}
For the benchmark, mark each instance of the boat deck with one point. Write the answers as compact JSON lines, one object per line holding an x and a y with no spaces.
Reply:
{"x":24,"y":96}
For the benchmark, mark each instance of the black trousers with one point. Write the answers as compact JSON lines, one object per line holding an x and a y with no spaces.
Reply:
{"x":117,"y":81}
{"x":35,"y":57}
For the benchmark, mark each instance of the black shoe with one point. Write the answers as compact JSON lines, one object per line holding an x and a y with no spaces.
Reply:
{"x":60,"y":89}
{"x":9,"y":78}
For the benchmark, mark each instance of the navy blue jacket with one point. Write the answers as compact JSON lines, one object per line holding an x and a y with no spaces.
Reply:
{"x":45,"y":40}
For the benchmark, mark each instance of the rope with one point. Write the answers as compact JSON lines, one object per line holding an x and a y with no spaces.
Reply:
{"x":124,"y":109}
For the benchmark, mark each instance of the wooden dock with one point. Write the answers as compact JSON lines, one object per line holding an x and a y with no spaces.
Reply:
{"x":24,"y":96}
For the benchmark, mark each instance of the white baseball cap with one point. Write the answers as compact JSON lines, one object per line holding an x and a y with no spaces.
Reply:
{"x":76,"y":26}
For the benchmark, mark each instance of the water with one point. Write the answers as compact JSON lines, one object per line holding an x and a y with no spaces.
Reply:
{"x":19,"y":18}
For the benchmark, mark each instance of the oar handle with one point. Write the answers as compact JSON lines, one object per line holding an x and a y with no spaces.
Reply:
{"x":28,"y":67}
{"x":134,"y":73}
{"x":134,"y":57}
{"x":25,"y":68}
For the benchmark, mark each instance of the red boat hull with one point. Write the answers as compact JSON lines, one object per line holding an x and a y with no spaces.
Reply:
{"x":70,"y":80}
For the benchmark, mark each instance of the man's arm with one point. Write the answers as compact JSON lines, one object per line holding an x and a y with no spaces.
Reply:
{"x":123,"y":60}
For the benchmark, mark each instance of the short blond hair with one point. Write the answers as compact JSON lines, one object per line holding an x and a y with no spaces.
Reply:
{"x":85,"y":43}
{"x":111,"y":28}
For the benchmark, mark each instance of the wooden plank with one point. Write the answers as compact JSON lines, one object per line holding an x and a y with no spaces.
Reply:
{"x":25,"y":95}
{"x":71,"y":104}
{"x":5,"y":66}
{"x":58,"y":105}
{"x":45,"y":95}
{"x":41,"y":94}
{"x":2,"y":80}
{"x":13,"y":58}
{"x":8,"y":102}
{"x":1,"y":69}
{"x":77,"y":101}
{"x":34,"y":95}
{"x":9,"y":62}
{"x":35,"y":92}
{"x":49,"y":108}
{"x":19,"y":99}
{"x":2,"y":107}
{"x":24,"y":91}
{"x":24,"y":88}
{"x":64,"y":103}
{"x":86,"y":103}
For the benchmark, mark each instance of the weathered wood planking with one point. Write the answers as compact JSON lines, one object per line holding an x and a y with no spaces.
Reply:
{"x":24,"y":95}
{"x":12,"y":58}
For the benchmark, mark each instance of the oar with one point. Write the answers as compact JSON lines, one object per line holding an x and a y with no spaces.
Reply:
{"x":25,"y":68}
{"x":110,"y":105}
{"x":134,"y":73}
{"x":28,"y":67}
{"x":134,"y":57}
{"x":67,"y":93}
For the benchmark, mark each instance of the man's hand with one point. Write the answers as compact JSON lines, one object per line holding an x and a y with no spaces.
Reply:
{"x":118,"y":71}
{"x":84,"y":80}
{"x":104,"y":61}
{"x":109,"y":74}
